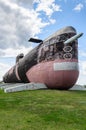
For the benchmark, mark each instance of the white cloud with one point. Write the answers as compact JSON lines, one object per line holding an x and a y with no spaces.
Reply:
{"x":52,"y":21}
{"x":82,"y":54}
{"x":48,"y":6}
{"x":83,"y":67}
{"x":82,"y":79}
{"x":17,"y":24}
{"x":82,"y":74}
{"x":10,"y":52}
{"x":78,"y":7}
{"x":5,"y":67}
{"x":25,"y":2}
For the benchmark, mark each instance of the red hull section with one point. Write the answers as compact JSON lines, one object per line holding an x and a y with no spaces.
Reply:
{"x":57,"y":74}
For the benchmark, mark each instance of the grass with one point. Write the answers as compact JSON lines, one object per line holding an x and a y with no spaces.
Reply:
{"x":43,"y":110}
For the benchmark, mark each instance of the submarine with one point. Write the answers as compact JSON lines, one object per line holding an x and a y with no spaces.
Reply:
{"x":53,"y":62}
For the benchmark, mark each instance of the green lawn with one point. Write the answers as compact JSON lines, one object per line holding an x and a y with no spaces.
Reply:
{"x":43,"y":110}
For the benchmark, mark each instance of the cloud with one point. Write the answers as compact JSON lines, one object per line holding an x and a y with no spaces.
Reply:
{"x":10,"y":52}
{"x":82,"y":54}
{"x":78,"y":7}
{"x":25,"y":2}
{"x":82,"y":68}
{"x":5,"y":67}
{"x":48,"y":6}
{"x":82,"y":73}
{"x":17,"y":24}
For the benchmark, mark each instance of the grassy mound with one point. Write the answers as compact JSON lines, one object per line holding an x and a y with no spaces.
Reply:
{"x":43,"y":110}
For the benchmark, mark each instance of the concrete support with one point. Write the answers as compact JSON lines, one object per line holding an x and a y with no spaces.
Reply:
{"x":27,"y":86}
{"x":8,"y":85}
{"x":78,"y":87}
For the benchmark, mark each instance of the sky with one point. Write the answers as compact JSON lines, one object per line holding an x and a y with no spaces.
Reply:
{"x":22,"y":19}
